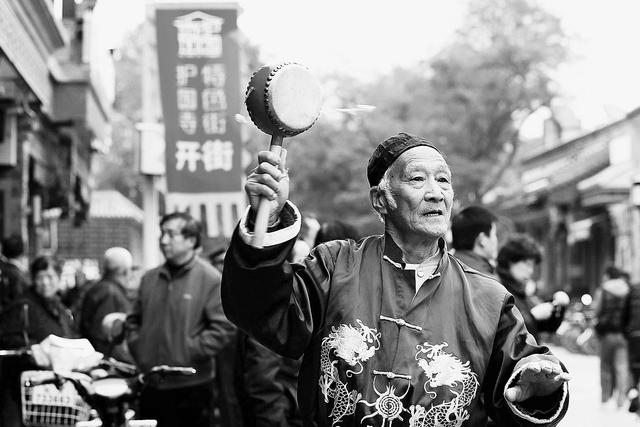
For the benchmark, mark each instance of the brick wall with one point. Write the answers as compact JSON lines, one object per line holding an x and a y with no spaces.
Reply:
{"x":97,"y":235}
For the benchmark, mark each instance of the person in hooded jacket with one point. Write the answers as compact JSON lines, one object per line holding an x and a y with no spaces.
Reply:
{"x":611,"y":310}
{"x":517,"y":259}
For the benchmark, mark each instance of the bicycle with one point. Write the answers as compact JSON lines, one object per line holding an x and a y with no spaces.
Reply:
{"x":111,"y":395}
{"x":101,"y":393}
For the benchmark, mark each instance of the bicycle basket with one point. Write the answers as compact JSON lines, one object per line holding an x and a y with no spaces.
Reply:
{"x":47,"y":406}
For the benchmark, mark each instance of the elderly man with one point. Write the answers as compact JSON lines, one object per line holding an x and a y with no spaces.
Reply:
{"x":394,"y":330}
{"x":109,"y":295}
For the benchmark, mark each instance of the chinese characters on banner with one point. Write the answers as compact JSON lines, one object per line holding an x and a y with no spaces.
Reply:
{"x":198,"y":60}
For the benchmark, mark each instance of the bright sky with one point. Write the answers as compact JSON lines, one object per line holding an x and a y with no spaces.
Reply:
{"x":368,"y":37}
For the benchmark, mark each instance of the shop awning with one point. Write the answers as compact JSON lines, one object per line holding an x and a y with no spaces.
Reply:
{"x":610,"y":185}
{"x":615,"y":176}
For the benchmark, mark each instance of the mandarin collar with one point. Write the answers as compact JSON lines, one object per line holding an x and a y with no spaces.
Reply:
{"x":393,"y":253}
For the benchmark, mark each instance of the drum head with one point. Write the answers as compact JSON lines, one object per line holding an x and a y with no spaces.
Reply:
{"x":295,"y":97}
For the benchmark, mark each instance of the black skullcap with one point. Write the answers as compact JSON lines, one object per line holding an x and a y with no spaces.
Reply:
{"x":388,"y":151}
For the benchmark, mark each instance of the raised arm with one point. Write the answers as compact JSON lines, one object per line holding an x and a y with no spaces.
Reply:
{"x":280,"y":304}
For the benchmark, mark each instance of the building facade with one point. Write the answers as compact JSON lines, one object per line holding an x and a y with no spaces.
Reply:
{"x":576,"y":200}
{"x":56,"y":91}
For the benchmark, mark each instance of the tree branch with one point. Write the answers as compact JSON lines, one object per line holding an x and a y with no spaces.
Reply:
{"x":514,"y":141}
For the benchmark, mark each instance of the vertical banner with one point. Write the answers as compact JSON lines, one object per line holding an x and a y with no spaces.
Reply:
{"x":198,"y":66}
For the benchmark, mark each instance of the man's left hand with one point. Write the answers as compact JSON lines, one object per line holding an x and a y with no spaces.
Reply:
{"x":539,"y":378}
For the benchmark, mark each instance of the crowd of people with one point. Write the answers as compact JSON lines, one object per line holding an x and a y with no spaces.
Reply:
{"x":174,"y":317}
{"x":324,"y":326}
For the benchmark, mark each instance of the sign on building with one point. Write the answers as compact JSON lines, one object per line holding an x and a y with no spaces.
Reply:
{"x":198,"y":64}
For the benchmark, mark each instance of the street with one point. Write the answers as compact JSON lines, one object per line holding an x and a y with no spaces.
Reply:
{"x":584,"y":407}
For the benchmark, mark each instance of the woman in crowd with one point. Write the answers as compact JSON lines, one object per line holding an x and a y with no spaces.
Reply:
{"x":517,"y":260}
{"x":40,"y":313}
{"x":47,"y":314}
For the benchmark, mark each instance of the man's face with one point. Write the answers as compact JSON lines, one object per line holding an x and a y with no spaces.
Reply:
{"x":174,"y":245}
{"x":420,"y":181}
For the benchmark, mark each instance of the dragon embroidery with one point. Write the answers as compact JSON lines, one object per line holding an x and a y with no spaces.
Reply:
{"x":444,"y":369}
{"x":353,"y":345}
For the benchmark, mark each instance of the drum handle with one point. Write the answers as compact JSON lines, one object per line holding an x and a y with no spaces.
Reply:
{"x":262,"y":216}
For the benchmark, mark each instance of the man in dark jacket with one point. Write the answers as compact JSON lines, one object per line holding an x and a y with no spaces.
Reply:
{"x":14,"y":284}
{"x":393,"y":329}
{"x":178,"y":320}
{"x":475,"y":238}
{"x":109,"y":295}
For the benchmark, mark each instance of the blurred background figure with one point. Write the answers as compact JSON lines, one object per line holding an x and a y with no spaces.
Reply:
{"x":517,"y":260}
{"x":309,"y":229}
{"x":610,"y":306}
{"x":14,"y":281}
{"x":178,"y":320}
{"x":299,"y":251}
{"x":306,"y":238}
{"x":225,"y":397}
{"x":633,"y":342}
{"x":14,"y":278}
{"x":335,"y":230}
{"x":73,"y":293}
{"x":474,"y":233}
{"x":108,"y":295}
{"x":47,"y":314}
{"x":216,"y":256}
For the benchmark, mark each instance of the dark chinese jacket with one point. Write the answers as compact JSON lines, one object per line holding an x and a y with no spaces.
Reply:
{"x":376,"y":352}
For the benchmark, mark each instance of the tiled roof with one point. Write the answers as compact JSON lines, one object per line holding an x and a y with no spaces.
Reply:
{"x":112,"y":204}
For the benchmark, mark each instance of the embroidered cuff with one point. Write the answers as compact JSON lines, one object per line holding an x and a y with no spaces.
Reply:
{"x":547,"y":408}
{"x":286,"y":229}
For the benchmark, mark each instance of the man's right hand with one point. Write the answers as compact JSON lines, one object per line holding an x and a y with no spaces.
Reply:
{"x":269,"y":180}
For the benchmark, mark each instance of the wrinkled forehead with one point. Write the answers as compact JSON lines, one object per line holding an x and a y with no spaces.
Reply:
{"x":421,"y":156}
